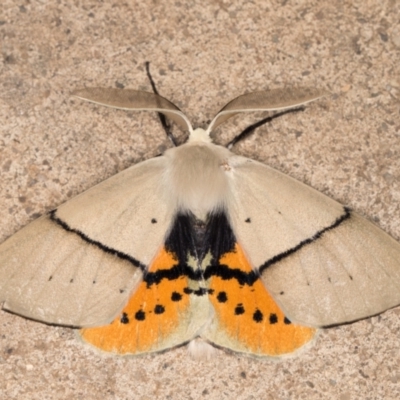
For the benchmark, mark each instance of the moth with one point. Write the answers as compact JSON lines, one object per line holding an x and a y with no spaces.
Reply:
{"x":199,"y":243}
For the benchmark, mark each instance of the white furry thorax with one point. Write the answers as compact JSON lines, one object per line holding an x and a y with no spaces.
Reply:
{"x":197,"y":175}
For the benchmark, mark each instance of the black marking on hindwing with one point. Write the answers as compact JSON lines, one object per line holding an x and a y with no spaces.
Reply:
{"x":190,"y":237}
{"x":221,"y":240}
{"x":180,"y":242}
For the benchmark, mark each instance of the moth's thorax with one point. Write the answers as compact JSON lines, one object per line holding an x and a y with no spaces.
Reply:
{"x":196,"y":176}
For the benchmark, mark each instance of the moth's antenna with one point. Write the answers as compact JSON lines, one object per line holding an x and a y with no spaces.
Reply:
{"x":163,"y":120}
{"x":250,"y":129}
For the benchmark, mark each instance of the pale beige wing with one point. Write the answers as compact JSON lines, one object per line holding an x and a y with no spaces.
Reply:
{"x":79,"y":264}
{"x":322,"y":263}
{"x":269,"y":100}
{"x":128,"y":99}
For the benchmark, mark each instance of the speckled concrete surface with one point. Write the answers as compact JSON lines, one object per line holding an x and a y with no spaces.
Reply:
{"x":202,"y":53}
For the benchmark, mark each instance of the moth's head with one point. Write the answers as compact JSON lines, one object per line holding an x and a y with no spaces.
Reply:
{"x":199,"y":135}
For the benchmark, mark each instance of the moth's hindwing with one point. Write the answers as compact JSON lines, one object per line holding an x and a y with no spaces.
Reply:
{"x":166,"y":310}
{"x":247,"y":319}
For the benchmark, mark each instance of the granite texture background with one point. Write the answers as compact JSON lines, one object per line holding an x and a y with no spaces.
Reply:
{"x":202,"y":54}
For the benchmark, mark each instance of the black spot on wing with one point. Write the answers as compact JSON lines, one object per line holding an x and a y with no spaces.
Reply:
{"x":187,"y":290}
{"x":222,"y":297}
{"x":258,"y":316}
{"x":239,"y":309}
{"x":140,"y":315}
{"x":124,"y":318}
{"x":175,"y":296}
{"x":159,"y":309}
{"x":287,"y":321}
{"x":273,"y":319}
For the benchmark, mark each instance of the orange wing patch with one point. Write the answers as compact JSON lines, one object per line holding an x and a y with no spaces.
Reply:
{"x":248,"y":316}
{"x":151,"y":319}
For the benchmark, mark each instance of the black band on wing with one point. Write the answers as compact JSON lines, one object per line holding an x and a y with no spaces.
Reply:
{"x":180,"y":242}
{"x":312,"y":239}
{"x":173,"y":273}
{"x":101,"y":246}
{"x":186,"y":238}
{"x":220,"y":240}
{"x":225,"y":272}
{"x":189,"y":237}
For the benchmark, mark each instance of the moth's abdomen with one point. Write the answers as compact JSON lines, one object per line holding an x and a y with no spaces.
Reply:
{"x":196,"y":177}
